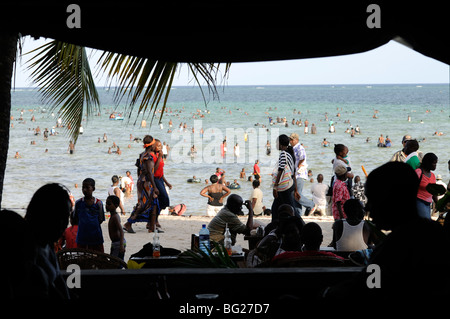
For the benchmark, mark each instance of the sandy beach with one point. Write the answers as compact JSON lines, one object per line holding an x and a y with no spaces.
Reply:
{"x":178,"y":230}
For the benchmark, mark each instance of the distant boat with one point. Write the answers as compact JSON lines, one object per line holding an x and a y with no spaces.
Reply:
{"x":117,"y":118}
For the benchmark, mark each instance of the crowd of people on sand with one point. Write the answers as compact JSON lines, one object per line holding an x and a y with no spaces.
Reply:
{"x":404,"y":218}
{"x":346,"y":197}
{"x":44,"y":230}
{"x":395,"y":198}
{"x":34,"y":269}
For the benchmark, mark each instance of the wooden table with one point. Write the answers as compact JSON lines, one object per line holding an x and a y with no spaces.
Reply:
{"x":172,"y":261}
{"x":160,"y":262}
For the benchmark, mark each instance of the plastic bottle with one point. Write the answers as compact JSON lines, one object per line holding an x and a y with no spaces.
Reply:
{"x":227,"y":240}
{"x":203,"y":237}
{"x":156,"y":246}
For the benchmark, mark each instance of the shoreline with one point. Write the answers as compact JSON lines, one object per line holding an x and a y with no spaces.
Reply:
{"x":178,"y":230}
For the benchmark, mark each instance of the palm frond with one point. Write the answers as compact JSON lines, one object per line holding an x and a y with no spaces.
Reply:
{"x":20,"y":43}
{"x":148,"y":81}
{"x":63,"y":75}
{"x":215,"y":258}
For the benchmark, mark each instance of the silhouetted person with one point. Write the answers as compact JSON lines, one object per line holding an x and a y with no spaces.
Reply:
{"x":414,"y":258}
{"x":48,"y":216}
{"x":18,"y":254}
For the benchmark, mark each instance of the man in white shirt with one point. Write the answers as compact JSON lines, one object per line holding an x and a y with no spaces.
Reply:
{"x":256,"y":199}
{"x":319,"y":192}
{"x":400,"y":155}
{"x":301,"y":173}
{"x":115,"y":190}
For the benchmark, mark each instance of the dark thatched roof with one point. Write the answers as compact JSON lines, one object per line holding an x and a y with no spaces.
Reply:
{"x":235,"y":31}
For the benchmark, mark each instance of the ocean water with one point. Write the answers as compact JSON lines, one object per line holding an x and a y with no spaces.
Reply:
{"x":240,"y":111}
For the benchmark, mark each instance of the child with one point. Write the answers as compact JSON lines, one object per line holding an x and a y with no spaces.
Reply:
{"x":412,"y":158}
{"x":358,"y":190}
{"x":90,"y":213}
{"x":68,"y":239}
{"x":341,"y":158}
{"x":115,"y":228}
{"x":340,"y":192}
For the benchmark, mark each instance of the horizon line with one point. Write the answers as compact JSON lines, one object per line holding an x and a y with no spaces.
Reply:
{"x":262,"y":85}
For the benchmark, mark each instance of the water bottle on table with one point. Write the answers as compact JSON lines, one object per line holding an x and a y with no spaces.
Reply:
{"x":203,"y":236}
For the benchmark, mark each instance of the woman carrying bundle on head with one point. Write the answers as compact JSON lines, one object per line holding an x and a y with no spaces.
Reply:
{"x":147,"y":207}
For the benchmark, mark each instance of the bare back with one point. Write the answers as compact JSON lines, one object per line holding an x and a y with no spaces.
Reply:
{"x":114,"y":227}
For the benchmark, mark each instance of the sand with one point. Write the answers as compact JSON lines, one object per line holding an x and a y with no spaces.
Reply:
{"x":178,"y":230}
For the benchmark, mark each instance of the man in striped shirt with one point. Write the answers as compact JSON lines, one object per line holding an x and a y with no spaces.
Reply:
{"x":289,"y":192}
{"x":301,"y":174}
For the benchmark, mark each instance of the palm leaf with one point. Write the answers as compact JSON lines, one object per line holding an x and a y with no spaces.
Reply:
{"x":147,"y":82}
{"x":199,"y":259}
{"x":64,"y":78}
{"x":63,"y":75}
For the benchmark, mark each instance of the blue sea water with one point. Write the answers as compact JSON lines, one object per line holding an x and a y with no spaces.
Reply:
{"x":240,"y":110}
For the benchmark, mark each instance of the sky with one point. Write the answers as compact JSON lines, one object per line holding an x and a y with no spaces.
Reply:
{"x":391,"y":63}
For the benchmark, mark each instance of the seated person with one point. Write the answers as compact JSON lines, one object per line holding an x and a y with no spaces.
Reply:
{"x":311,"y":237}
{"x":47,"y":224}
{"x":353,"y":233}
{"x":18,"y":257}
{"x":287,"y":209}
{"x":256,"y":199}
{"x":228,"y":215}
{"x":412,"y":248}
{"x":284,"y":237}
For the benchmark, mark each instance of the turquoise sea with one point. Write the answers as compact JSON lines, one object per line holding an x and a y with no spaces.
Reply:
{"x":240,"y":110}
